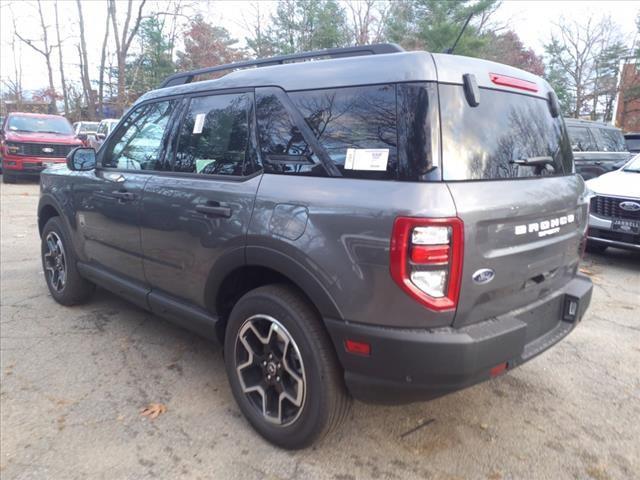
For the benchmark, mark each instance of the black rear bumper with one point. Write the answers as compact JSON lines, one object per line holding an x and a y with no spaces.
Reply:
{"x":408,"y":365}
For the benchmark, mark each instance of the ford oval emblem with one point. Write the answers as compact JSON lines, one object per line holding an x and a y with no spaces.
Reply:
{"x":630,"y":206}
{"x":48,"y":150}
{"x":484,"y":275}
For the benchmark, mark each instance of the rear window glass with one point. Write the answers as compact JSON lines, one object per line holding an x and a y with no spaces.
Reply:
{"x":609,"y":140}
{"x":633,"y":144}
{"x":508,"y":135}
{"x":581,"y":140}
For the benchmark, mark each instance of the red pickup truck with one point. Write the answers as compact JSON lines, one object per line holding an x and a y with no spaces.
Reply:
{"x":30,"y":142}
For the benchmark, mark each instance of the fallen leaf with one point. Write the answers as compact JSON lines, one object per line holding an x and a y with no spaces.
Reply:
{"x":586,"y":271}
{"x":153,"y":410}
{"x":484,"y":426}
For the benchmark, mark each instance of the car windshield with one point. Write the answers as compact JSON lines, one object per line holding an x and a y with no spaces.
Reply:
{"x":88,"y":127}
{"x":58,"y":125}
{"x":633,"y":165}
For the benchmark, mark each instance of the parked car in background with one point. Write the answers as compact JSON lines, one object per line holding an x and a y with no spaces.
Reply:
{"x":597,"y":147}
{"x":633,"y":142}
{"x":394,"y":225}
{"x":84,"y":130}
{"x":105,"y":127}
{"x":614,"y":217}
{"x":32,"y":141}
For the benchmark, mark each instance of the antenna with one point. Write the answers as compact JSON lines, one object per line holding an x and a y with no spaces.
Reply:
{"x":455,"y":44}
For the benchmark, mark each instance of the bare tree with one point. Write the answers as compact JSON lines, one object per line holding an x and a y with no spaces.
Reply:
{"x":574,"y":47}
{"x":103,"y":57}
{"x":62,"y":79}
{"x":257,"y":39}
{"x":90,"y":95}
{"x":45,"y":50}
{"x":123,"y":43}
{"x":367,"y":20}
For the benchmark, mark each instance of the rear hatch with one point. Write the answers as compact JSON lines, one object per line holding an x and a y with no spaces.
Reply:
{"x":508,"y":164}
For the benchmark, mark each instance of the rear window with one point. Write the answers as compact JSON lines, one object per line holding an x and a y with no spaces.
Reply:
{"x":508,"y":135}
{"x":633,"y":144}
{"x":609,"y":140}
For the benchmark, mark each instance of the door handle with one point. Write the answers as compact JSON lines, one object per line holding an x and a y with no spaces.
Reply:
{"x":598,"y":163}
{"x":214,"y":209}
{"x":124,"y":196}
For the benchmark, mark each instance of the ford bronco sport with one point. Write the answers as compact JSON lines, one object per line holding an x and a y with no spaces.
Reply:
{"x":377,"y":224}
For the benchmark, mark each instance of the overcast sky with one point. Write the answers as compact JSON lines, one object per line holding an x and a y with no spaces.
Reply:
{"x":531,"y":20}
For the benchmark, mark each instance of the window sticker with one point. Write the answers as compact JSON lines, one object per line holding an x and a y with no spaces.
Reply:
{"x":374,"y":159}
{"x":198,"y":125}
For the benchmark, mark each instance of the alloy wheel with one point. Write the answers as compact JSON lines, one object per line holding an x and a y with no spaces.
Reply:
{"x":55,"y":262}
{"x":270,"y":369}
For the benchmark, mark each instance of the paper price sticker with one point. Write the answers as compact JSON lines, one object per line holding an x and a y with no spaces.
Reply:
{"x":198,"y":125}
{"x":374,"y":159}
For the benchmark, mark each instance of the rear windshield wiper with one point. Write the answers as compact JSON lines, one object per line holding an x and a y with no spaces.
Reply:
{"x":534,"y":161}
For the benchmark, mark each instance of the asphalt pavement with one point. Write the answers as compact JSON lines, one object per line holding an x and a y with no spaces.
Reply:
{"x":73,"y":382}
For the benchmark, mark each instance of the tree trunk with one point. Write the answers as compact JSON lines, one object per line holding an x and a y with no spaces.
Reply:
{"x":86,"y":83}
{"x":103,"y":56}
{"x":62,"y":80}
{"x":47,"y":56}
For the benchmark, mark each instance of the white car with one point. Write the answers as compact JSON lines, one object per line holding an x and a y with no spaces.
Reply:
{"x":614,"y":217}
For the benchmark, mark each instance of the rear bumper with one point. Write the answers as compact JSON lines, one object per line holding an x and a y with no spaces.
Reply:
{"x":600,"y":231}
{"x":408,"y":365}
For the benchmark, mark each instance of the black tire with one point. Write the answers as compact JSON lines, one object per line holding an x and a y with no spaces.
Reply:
{"x":325,"y":399}
{"x":596,"y":247}
{"x":8,"y":178}
{"x":73,"y":289}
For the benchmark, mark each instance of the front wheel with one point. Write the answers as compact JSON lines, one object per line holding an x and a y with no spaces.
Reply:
{"x":282,"y":368}
{"x":65,"y":284}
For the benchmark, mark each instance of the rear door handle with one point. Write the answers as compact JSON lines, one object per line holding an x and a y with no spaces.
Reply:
{"x":124,"y":196}
{"x":214,"y":209}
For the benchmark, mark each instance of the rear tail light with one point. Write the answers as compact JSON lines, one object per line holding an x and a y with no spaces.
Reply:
{"x":426,"y":259}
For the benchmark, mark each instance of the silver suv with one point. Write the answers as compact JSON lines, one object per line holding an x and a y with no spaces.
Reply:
{"x":379,"y":224}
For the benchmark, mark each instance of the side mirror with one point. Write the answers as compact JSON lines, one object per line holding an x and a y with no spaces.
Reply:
{"x":81,"y":159}
{"x":101,"y":136}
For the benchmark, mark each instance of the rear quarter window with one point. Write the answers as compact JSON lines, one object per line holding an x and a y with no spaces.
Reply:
{"x":609,"y":140}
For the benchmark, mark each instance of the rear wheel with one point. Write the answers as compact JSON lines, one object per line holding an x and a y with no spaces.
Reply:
{"x":595,"y":247}
{"x":282,"y":368}
{"x":65,"y":284}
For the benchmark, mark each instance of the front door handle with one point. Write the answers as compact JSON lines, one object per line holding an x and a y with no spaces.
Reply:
{"x":124,"y":196}
{"x":214,"y":209}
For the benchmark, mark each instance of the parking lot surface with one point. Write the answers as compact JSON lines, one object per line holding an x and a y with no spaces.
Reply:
{"x":74,"y":380}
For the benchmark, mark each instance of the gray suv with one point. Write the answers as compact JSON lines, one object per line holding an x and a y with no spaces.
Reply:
{"x":597,"y":147}
{"x":379,"y":224}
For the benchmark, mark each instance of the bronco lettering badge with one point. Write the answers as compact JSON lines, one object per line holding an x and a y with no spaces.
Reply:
{"x":547,"y":227}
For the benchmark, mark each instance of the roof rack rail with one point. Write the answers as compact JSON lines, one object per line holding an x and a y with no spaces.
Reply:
{"x":376,"y":49}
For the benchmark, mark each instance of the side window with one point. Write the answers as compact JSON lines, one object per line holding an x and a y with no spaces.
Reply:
{"x":356,"y":126}
{"x":214,"y":137}
{"x":137,"y":144}
{"x":581,"y":140}
{"x":610,"y":140}
{"x":283,"y":147}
